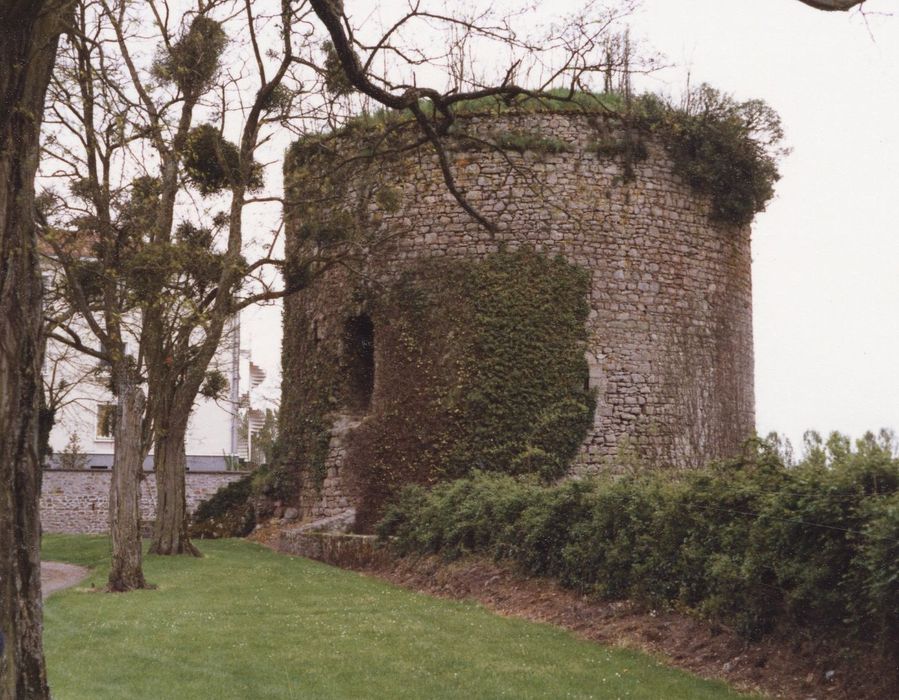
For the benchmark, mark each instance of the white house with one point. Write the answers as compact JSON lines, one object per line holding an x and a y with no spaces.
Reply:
{"x":82,"y":438}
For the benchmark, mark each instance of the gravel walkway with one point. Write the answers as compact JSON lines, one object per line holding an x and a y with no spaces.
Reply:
{"x":55,"y":576}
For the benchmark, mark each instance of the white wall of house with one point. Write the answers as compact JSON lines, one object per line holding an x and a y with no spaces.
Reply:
{"x":210,"y":443}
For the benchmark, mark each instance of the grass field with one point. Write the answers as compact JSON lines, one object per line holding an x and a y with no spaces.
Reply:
{"x":244,"y":622}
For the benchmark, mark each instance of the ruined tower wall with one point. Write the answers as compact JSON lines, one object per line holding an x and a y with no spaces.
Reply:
{"x":670,"y":324}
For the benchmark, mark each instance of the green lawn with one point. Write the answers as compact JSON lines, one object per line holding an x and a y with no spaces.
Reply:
{"x":247,"y":623}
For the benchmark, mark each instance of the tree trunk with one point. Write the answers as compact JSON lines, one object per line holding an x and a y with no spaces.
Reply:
{"x":29,"y":34}
{"x":124,"y":491}
{"x":170,"y":461}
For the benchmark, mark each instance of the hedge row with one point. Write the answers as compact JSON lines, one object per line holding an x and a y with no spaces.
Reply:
{"x":750,"y":543}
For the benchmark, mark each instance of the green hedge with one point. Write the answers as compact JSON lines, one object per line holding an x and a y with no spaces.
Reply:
{"x":752,"y":543}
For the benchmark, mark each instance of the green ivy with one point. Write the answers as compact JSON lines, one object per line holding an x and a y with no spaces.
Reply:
{"x":305,"y":417}
{"x":523,"y":405}
{"x":480,"y":366}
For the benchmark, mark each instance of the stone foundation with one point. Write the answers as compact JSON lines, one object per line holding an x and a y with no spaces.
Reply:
{"x":338,"y":549}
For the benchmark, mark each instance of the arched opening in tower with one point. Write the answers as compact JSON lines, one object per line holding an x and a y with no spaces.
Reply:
{"x":359,"y":353}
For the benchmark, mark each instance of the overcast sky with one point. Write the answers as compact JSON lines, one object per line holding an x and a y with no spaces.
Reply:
{"x":826,"y":253}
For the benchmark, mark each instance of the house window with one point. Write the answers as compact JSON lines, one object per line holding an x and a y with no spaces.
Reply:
{"x":105,"y":421}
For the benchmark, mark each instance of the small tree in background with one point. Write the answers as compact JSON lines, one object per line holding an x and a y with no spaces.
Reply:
{"x":263,"y":444}
{"x":72,"y":456}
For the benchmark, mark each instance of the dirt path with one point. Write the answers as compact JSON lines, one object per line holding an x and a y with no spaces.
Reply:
{"x":55,"y":576}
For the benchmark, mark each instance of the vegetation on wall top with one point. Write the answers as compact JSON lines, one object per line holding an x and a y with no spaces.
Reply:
{"x":722,"y":148}
{"x":725,"y":149}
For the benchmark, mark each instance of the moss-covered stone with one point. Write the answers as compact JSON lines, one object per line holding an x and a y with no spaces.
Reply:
{"x":722,"y":148}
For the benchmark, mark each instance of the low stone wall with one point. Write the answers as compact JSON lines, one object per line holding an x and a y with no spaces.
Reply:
{"x":77,"y":501}
{"x":335,"y":548}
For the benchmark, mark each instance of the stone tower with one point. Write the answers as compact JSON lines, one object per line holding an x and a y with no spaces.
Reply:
{"x":668,"y":344}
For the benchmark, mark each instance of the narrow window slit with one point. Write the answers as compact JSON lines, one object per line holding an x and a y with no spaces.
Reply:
{"x":359,"y":349}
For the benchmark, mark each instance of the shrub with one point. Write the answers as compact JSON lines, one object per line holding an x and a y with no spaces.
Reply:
{"x":877,"y":572}
{"x":723,"y":148}
{"x":753,"y":542}
{"x":227,"y":513}
{"x":276,"y":483}
{"x":460,"y":517}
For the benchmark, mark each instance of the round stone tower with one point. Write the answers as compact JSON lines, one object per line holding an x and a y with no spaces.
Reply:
{"x":668,"y":329}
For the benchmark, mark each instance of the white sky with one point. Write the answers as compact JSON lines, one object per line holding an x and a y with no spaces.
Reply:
{"x":826,"y":253}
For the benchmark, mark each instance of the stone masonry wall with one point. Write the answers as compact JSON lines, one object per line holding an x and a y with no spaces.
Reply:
{"x":76,"y":501}
{"x":670,"y":328}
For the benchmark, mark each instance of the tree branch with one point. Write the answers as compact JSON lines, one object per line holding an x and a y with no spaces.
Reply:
{"x":832,"y":5}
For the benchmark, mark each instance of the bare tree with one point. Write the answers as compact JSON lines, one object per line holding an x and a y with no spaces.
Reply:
{"x":28,"y":42}
{"x":89,"y":254}
{"x":135,"y":145}
{"x":66,"y":372}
